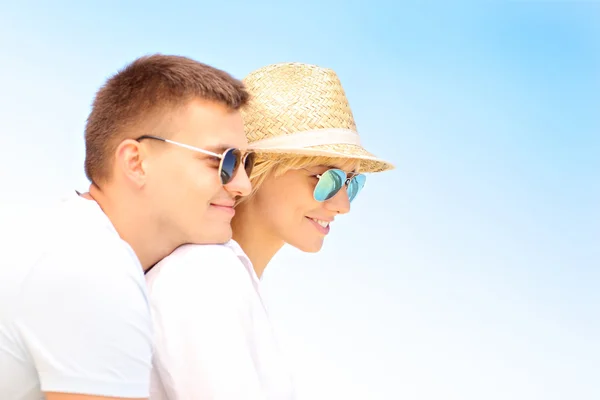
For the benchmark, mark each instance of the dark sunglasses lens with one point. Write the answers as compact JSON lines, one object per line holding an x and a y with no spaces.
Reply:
{"x":356,"y":184}
{"x":249,"y":163}
{"x":329,"y":184}
{"x":229,"y":164}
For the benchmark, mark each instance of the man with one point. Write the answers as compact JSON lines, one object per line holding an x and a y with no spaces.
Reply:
{"x":162,"y":154}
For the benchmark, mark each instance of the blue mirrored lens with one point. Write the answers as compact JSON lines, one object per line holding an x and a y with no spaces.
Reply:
{"x":356,"y":184}
{"x":229,"y":164}
{"x":329,"y":184}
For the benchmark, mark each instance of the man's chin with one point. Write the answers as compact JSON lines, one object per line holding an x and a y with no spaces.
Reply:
{"x":216,"y":236}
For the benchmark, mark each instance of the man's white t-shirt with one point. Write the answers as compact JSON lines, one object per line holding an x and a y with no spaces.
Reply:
{"x":213,"y":337}
{"x":74,"y":315}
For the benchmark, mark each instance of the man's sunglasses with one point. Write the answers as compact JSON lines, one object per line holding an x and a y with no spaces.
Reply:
{"x":230,"y":159}
{"x":333,"y":180}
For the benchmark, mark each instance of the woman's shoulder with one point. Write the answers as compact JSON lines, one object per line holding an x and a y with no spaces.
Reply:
{"x":201,"y":264}
{"x":200,"y":253}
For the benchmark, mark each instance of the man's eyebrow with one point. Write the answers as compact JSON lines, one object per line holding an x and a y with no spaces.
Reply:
{"x":219,"y":148}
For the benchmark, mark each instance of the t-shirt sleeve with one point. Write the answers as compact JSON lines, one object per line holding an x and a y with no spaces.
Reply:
{"x":86,"y":323}
{"x":202,"y":321}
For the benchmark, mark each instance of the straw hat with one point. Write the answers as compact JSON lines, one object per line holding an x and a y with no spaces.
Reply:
{"x":301,"y":109}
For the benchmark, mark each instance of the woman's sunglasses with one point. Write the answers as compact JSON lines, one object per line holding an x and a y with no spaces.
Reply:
{"x":333,"y":180}
{"x":230,"y":159}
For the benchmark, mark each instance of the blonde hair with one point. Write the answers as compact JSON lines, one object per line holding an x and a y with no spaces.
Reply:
{"x":274,"y":165}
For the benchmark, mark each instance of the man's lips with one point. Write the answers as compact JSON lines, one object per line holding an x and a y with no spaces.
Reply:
{"x":224,"y":204}
{"x":225,"y":207}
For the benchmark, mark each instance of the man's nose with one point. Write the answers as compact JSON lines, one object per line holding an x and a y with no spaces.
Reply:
{"x":240,"y":184}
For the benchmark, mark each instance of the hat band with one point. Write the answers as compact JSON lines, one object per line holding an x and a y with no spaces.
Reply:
{"x":304,"y":139}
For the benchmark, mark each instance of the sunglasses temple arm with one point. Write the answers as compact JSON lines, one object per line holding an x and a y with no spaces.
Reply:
{"x":187,"y":146}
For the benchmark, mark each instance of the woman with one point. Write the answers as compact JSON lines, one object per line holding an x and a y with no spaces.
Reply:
{"x":213,"y":335}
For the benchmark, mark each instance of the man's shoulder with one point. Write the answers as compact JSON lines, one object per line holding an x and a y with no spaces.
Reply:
{"x":79,"y":230}
{"x":86,"y":248}
{"x":68,"y":238}
{"x":71,"y":218}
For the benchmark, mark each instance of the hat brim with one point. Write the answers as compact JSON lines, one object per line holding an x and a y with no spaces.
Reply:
{"x":369,"y":162}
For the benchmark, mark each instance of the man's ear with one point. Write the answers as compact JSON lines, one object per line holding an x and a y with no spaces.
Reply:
{"x":129,"y":159}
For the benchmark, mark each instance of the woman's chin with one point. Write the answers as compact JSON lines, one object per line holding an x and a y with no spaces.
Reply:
{"x":310,"y":247}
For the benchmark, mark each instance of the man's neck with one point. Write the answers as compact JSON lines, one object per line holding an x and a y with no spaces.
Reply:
{"x":134,"y":227}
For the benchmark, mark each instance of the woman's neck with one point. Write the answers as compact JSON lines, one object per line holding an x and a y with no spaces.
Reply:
{"x":257,"y":241}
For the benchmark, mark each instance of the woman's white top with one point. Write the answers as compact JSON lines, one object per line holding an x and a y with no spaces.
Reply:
{"x":213,"y":337}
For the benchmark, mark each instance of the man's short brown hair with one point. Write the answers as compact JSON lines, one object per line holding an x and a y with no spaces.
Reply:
{"x":148,"y":86}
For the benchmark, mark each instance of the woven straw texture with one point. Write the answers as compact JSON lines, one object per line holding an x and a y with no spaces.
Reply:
{"x":289,"y":98}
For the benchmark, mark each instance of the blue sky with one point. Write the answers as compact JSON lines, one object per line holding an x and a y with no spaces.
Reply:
{"x":469,"y":272}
